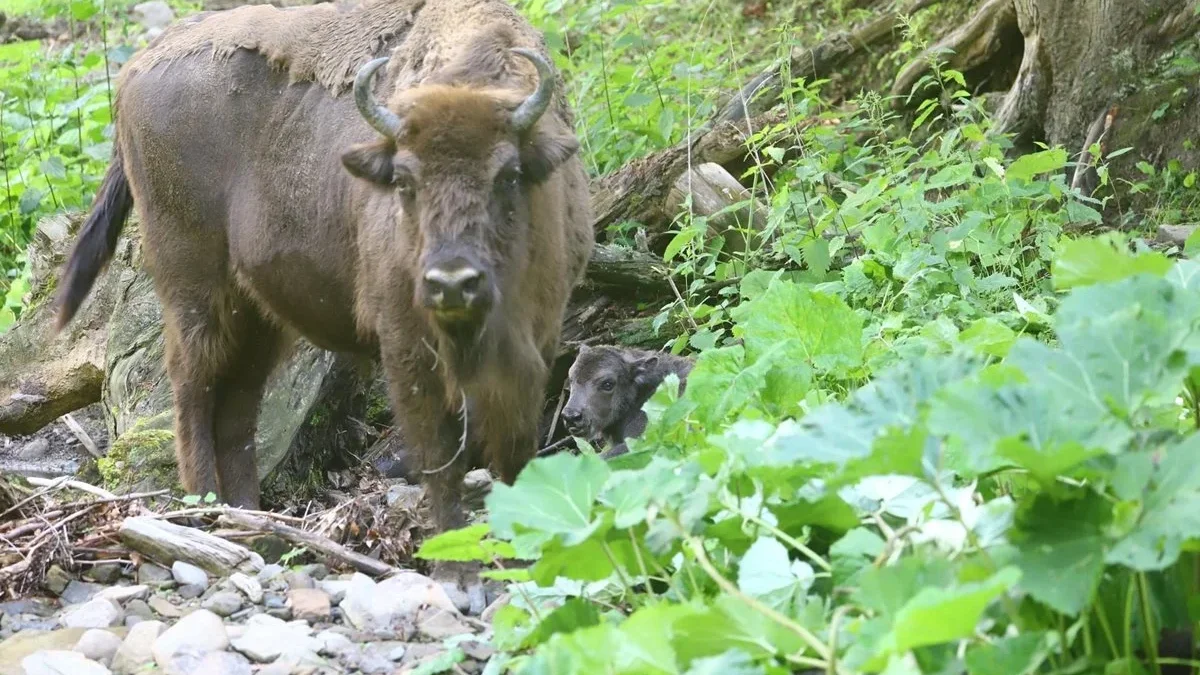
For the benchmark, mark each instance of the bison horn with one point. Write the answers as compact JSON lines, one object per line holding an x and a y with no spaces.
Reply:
{"x":532,"y":108}
{"x":378,"y":116}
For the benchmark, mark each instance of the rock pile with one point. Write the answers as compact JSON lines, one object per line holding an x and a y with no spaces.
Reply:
{"x":185,"y":621}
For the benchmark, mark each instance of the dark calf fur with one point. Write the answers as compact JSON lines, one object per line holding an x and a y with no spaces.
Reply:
{"x":609,"y":385}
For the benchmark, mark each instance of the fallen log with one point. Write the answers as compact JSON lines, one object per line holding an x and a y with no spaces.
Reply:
{"x":165,"y":542}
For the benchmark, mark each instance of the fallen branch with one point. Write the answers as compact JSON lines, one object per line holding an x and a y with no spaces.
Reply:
{"x":314,"y":542}
{"x":82,"y":435}
{"x":165,"y":542}
{"x":59,"y":483}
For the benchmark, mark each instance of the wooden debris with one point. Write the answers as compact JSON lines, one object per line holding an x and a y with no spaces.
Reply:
{"x":82,"y":435}
{"x":313,"y":542}
{"x":165,"y":542}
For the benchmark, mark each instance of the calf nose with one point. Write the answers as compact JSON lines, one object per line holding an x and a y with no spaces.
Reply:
{"x":454,"y":288}
{"x":572,"y":416}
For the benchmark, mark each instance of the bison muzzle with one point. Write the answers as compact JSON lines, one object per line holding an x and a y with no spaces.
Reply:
{"x":436,"y":220}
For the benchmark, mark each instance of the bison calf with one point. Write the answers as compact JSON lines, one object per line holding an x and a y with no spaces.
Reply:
{"x":609,"y":385}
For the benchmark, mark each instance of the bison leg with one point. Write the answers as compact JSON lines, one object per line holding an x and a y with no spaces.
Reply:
{"x":193,"y":388}
{"x":256,"y":350}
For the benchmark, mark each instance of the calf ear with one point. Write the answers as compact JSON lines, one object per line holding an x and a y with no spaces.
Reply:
{"x":643,"y":370}
{"x":371,"y":161}
{"x":544,"y":151}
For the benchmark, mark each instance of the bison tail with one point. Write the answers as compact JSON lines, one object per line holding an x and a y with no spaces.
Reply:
{"x":97,"y":241}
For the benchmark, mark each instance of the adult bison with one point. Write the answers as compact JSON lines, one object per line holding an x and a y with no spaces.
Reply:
{"x":439,"y":224}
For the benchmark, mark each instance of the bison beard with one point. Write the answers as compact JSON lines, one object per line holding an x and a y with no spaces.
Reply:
{"x":440,"y":231}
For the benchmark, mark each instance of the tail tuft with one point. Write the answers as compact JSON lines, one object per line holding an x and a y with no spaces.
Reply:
{"x":97,"y":241}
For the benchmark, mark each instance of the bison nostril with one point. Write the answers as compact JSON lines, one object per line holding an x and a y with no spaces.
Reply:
{"x":452,"y":288}
{"x":571,"y":415}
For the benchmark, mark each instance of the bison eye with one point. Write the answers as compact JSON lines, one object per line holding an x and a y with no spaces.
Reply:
{"x":509,"y":178}
{"x":403,"y":179}
{"x":607,"y":385}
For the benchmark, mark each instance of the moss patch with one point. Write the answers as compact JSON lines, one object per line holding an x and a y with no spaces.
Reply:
{"x":143,"y":458}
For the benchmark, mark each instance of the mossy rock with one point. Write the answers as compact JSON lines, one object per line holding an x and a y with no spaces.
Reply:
{"x":142,"y":459}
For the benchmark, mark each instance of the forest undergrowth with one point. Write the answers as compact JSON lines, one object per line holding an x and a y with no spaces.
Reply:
{"x":932,"y":427}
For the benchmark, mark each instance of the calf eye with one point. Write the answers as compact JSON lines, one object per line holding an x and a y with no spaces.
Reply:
{"x":606,"y":385}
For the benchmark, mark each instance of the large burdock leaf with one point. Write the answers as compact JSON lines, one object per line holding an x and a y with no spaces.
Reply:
{"x":765,"y":572}
{"x":1092,"y":260}
{"x":1060,"y":550}
{"x":820,"y":329}
{"x":553,"y":496}
{"x":1170,"y":512}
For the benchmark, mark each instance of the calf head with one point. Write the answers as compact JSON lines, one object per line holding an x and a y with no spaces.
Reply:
{"x":460,"y":163}
{"x":607,"y":386}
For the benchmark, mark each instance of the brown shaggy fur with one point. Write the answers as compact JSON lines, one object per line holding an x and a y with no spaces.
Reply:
{"x":609,"y":386}
{"x":270,"y":209}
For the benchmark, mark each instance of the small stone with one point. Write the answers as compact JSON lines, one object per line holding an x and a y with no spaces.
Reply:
{"x":309,"y":604}
{"x":97,"y":613}
{"x":136,"y":650}
{"x":108,"y":573}
{"x":78,"y":592}
{"x":223,"y":603}
{"x":187,"y":574}
{"x":201,"y":630}
{"x":441,"y":624}
{"x":298,"y":580}
{"x":419,"y":651}
{"x":61,"y":662}
{"x":190,"y":591}
{"x":335,"y":589}
{"x":222,"y":663}
{"x":316,"y":571}
{"x":397,"y":652}
{"x":124,"y":594}
{"x":267,"y":638}
{"x":98,"y":645}
{"x":154,"y":576}
{"x":249,"y":586}
{"x":56,"y":580}
{"x":480,"y":651}
{"x":333,"y":644}
{"x":281,"y":613}
{"x":34,"y":450}
{"x":380,"y":607}
{"x":269,"y":572}
{"x":138,"y":608}
{"x":35,"y":606}
{"x":164,"y":608}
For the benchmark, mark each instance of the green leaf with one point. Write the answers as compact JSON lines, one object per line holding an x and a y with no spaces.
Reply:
{"x":732,"y":662}
{"x":572,"y":615}
{"x":821,"y":329}
{"x":465,"y":544}
{"x":1081,"y":262}
{"x":766,"y":573}
{"x":54,"y":167}
{"x":1018,"y":655}
{"x":939,"y":615}
{"x":988,"y":337}
{"x":1060,"y":550}
{"x":720,"y":384}
{"x":729,"y":623}
{"x":1028,"y":166}
{"x":1170,"y":513}
{"x":552,"y":495}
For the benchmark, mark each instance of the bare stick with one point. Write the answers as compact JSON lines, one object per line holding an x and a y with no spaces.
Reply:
{"x":218,"y":510}
{"x":75,"y":484}
{"x":82,"y":435}
{"x":314,"y":542}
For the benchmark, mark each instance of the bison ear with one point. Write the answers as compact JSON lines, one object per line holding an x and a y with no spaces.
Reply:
{"x":371,"y":161}
{"x":643,"y":369}
{"x":543,"y":152}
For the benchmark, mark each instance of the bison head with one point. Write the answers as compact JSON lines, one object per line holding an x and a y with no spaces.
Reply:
{"x":607,"y":387}
{"x":461,"y":163}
